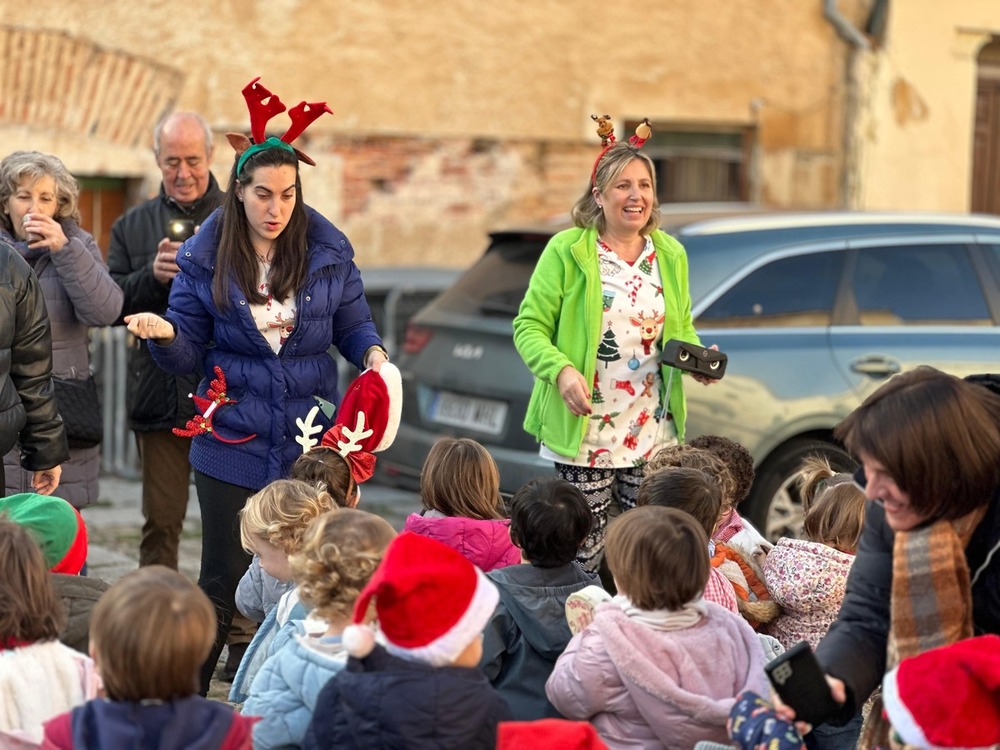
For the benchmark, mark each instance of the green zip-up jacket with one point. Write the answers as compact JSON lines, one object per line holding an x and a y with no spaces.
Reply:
{"x":559,"y":324}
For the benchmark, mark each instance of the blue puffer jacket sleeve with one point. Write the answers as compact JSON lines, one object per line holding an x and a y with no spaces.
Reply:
{"x":285,"y":690}
{"x":258,"y":593}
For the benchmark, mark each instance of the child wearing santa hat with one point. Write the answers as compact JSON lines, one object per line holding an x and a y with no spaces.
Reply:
{"x":418,"y":687}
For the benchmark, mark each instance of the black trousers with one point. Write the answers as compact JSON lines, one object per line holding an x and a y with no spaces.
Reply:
{"x":223,"y":559}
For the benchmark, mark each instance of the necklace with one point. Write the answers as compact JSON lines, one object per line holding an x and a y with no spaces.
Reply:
{"x":262,"y":258}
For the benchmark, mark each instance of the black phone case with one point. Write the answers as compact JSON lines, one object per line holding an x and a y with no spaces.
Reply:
{"x":799,"y":680}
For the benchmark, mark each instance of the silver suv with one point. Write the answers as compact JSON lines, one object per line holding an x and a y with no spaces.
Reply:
{"x":814,"y":310}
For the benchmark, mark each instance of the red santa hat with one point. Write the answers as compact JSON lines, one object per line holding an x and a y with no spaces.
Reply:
{"x":948,"y":697}
{"x":367,"y":419}
{"x":431,"y":603}
{"x":556,"y":733}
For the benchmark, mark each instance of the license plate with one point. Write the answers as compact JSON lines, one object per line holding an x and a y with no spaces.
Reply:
{"x":479,"y":414}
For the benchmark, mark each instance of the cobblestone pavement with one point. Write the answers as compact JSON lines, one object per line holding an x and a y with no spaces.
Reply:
{"x":114,"y":526}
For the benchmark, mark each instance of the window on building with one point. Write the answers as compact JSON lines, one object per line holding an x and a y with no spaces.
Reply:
{"x":699,"y":165}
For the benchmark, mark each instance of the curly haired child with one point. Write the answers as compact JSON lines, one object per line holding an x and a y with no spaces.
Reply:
{"x":151,"y":632}
{"x":549,"y":521}
{"x":739,"y":559}
{"x":658,"y":666}
{"x":39,"y":676}
{"x":460,"y":492}
{"x":808,"y":577}
{"x":272,"y":525}
{"x":339,"y":553}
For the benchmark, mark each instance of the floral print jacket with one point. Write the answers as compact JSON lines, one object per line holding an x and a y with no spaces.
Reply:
{"x":808,"y":580}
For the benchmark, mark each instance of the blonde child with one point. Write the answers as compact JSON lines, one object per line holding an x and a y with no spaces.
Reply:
{"x":460,"y":492}
{"x":658,"y":666}
{"x":339,"y":553}
{"x":808,"y":577}
{"x":151,"y":633}
{"x":272,"y":525}
{"x":39,"y":676}
{"x":696,"y":493}
{"x":739,"y":558}
{"x":422,"y":688}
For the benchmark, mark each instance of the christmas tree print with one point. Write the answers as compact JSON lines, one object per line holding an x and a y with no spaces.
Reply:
{"x":597,"y":397}
{"x":646,"y":264}
{"x":607,"y":350}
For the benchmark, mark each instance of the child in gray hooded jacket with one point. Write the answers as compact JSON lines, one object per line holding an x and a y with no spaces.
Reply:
{"x":549,"y":521}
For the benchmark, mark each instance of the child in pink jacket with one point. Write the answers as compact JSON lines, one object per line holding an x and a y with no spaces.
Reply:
{"x":658,"y":667}
{"x":808,"y":577}
{"x":460,"y":492}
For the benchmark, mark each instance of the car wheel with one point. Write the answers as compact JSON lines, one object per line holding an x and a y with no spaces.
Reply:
{"x":774,"y":505}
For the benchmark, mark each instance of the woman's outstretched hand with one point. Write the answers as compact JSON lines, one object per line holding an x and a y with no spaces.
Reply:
{"x":150,"y":326}
{"x":574,"y":391}
{"x":786,"y":712}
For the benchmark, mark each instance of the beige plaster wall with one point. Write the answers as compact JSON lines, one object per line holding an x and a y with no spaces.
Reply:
{"x":455,"y":116}
{"x":916,"y":125}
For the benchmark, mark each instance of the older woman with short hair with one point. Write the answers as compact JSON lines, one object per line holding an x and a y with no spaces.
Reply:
{"x":40,"y":218}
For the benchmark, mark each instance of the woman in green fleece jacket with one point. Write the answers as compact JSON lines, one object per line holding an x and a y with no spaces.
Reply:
{"x":603,"y":298}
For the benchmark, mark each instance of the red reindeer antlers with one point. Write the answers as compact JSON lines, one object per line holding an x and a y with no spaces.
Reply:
{"x":263,"y":105}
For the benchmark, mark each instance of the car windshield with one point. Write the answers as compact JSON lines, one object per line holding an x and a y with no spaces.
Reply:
{"x":494,"y":286}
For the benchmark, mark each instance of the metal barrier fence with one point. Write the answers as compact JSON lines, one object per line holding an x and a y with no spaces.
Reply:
{"x":108,"y":351}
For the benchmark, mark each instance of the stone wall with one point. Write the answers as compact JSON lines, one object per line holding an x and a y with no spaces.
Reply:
{"x":452,"y":116}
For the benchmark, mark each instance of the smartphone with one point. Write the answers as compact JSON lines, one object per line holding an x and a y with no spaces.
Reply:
{"x":798,"y":678}
{"x":179,"y":230}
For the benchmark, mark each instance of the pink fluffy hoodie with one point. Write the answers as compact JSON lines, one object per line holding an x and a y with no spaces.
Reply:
{"x":644,"y":688}
{"x":485,"y":544}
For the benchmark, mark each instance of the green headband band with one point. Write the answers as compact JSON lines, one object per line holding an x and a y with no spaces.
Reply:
{"x":271,"y":142}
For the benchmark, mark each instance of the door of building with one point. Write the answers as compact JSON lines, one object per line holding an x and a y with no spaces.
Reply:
{"x":102,"y":200}
{"x":986,"y":137}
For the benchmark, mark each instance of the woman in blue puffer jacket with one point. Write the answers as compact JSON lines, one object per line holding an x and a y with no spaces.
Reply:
{"x":265,"y":288}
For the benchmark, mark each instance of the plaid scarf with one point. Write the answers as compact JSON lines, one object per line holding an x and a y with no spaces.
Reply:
{"x":931,"y":603}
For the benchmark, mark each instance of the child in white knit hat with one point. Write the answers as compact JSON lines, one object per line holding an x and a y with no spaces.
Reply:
{"x":419,"y":686}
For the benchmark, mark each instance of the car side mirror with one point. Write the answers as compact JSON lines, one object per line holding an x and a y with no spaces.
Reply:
{"x":694,"y":358}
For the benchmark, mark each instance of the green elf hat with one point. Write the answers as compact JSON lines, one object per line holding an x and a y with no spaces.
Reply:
{"x":56,"y":525}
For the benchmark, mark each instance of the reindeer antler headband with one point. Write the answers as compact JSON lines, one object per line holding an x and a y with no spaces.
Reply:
{"x":263,"y":105}
{"x":606,"y":130}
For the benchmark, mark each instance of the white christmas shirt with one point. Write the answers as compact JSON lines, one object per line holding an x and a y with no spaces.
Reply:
{"x":275,"y":320}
